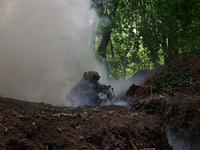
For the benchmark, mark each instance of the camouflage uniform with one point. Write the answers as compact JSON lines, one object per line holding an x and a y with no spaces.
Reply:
{"x":86,"y":91}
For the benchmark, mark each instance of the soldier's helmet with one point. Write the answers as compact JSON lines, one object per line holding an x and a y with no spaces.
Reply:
{"x":91,"y":75}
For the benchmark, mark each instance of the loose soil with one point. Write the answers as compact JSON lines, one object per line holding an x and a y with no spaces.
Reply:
{"x":25,"y":125}
{"x":179,"y":104}
{"x":38,"y":126}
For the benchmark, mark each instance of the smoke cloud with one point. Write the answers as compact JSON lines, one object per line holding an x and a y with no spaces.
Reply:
{"x":181,"y":142}
{"x":44,"y":48}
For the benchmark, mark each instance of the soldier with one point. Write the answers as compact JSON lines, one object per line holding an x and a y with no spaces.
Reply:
{"x":87,"y":90}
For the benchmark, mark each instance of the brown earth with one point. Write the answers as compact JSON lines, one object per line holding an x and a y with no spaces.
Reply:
{"x":181,"y":113}
{"x":25,"y":125}
{"x":177,"y":104}
{"x":182,"y":74}
{"x":38,"y":126}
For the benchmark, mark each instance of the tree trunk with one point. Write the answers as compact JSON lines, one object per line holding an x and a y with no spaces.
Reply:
{"x":127,"y":46}
{"x":102,"y":50}
{"x":104,"y":42}
{"x":111,"y":46}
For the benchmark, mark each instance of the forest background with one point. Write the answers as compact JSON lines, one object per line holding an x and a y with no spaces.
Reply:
{"x":132,"y":35}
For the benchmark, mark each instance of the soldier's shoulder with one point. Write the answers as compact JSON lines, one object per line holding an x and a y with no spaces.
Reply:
{"x":80,"y":83}
{"x":83,"y":82}
{"x":103,"y":86}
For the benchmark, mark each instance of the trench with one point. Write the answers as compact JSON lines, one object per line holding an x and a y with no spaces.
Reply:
{"x":180,"y":140}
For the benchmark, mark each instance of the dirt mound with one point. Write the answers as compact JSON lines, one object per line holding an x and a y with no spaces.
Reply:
{"x":137,"y":91}
{"x":138,"y":78}
{"x":181,"y":75}
{"x":181,"y":113}
{"x":175,"y":97}
{"x":25,"y":125}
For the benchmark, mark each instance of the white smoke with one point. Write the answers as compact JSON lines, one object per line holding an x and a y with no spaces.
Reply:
{"x":44,"y":48}
{"x":179,"y":143}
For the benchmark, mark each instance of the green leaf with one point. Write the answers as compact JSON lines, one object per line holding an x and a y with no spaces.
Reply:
{"x":34,"y":125}
{"x":84,"y":109}
{"x":118,"y":115}
{"x":111,"y":111}
{"x":133,"y":114}
{"x":94,"y":148}
{"x":84,"y":114}
{"x":70,"y":115}
{"x":77,"y":126}
{"x":97,"y":109}
{"x":56,"y":115}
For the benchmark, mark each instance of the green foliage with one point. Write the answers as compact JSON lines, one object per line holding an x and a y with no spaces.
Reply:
{"x":10,"y":128}
{"x":98,"y":109}
{"x":179,"y":77}
{"x":84,"y":114}
{"x":160,"y":28}
{"x":118,"y":115}
{"x":112,"y":111}
{"x":84,"y":109}
{"x":133,"y":114}
{"x":34,"y":125}
{"x":77,"y":126}
{"x":95,"y":148}
{"x":66,"y":114}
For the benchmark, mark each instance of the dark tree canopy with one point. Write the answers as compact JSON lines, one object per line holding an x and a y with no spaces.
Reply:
{"x":144,"y":34}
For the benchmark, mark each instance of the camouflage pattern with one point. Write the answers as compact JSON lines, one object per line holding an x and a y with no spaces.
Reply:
{"x":93,"y":75}
{"x":86,"y":91}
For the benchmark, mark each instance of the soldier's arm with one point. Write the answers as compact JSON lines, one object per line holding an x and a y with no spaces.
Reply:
{"x":105,"y":89}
